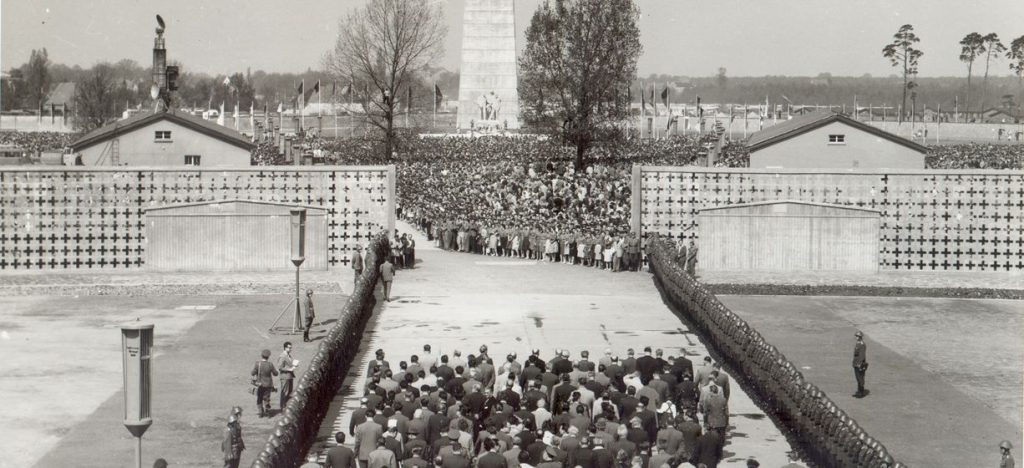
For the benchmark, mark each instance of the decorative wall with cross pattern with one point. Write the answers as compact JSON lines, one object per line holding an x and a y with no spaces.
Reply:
{"x":82,"y":218}
{"x":970,"y":220}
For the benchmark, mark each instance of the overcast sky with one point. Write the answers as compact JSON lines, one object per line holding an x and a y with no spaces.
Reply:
{"x":685,"y":37}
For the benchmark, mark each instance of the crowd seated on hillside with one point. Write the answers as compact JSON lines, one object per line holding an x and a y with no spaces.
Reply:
{"x":36,"y":142}
{"x":522,"y":197}
{"x":528,"y":188}
{"x":975,"y":156}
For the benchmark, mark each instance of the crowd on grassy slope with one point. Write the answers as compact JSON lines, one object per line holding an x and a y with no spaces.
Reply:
{"x":36,"y":142}
{"x":529,"y":186}
{"x":521,"y":184}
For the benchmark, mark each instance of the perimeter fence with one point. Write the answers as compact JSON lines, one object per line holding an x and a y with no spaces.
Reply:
{"x":67,"y":218}
{"x":942,"y":220}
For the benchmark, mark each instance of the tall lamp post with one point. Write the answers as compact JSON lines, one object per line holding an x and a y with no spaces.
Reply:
{"x":298,"y":235}
{"x":136,"y":353}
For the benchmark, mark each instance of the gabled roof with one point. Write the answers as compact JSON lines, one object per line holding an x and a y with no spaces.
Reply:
{"x":64,"y":93}
{"x":232,"y":200}
{"x":805,"y":123}
{"x":999,"y":110}
{"x":191,"y":122}
{"x":789,"y":201}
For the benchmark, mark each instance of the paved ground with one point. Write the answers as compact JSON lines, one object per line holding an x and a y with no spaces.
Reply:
{"x":63,"y":377}
{"x":942,"y":372}
{"x":148,"y":283}
{"x":945,"y":375}
{"x":460,"y":301}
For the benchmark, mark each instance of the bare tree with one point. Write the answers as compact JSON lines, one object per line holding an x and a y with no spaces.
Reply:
{"x":971,"y":47}
{"x":902,"y":53}
{"x":579,"y":61}
{"x":97,"y":99}
{"x":993,"y":48}
{"x":381,"y":47}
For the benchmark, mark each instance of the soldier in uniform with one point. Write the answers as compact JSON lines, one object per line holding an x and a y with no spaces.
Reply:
{"x":310,"y":315}
{"x":357,"y":264}
{"x":1007,"y":460}
{"x":691,"y":259}
{"x":232,"y":445}
{"x":860,"y":363}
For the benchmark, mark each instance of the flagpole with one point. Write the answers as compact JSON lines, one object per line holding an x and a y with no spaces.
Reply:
{"x":351,"y":121}
{"x":302,"y":106}
{"x":744,"y":119}
{"x":643,"y":110}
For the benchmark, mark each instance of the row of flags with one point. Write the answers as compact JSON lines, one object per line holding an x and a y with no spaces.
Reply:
{"x":348,"y":91}
{"x":666,"y":93}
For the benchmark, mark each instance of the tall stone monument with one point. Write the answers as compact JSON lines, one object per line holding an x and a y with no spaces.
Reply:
{"x":488,"y":85}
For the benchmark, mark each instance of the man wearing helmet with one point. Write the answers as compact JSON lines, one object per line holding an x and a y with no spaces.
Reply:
{"x":310,"y":315}
{"x":860,"y":363}
{"x":1007,"y":460}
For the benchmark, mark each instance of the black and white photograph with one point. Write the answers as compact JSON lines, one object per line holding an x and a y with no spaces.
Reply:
{"x":512,"y":233}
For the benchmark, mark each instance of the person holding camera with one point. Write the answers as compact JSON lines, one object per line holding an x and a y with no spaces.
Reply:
{"x":263,"y":373}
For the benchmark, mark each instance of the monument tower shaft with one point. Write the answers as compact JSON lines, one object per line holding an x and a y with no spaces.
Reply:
{"x":488,"y":82}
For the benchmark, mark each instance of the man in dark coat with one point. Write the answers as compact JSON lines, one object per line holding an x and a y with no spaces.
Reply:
{"x":310,"y":315}
{"x":357,"y":264}
{"x":602,"y":457}
{"x":491,"y":459}
{"x":647,"y":365}
{"x":681,"y":366}
{"x":691,"y":260}
{"x":561,"y":393}
{"x":691,"y":431}
{"x":860,"y":363}
{"x":708,"y":449}
{"x":340,"y":456}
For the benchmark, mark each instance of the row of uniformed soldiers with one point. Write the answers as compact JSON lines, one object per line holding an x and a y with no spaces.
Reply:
{"x":831,"y":437}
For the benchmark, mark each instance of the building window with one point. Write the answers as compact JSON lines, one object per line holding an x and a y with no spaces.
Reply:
{"x":163,"y":136}
{"x":192,"y":159}
{"x":837,"y":139}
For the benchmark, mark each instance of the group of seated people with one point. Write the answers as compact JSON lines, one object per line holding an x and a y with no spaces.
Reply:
{"x":530,"y":186}
{"x":36,"y":142}
{"x":975,"y":156}
{"x":454,"y":411}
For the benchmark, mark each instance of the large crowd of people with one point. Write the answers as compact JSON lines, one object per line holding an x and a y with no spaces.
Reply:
{"x":37,"y":142}
{"x":518,"y":186}
{"x":528,"y":187}
{"x":640,"y":410}
{"x":975,"y":156}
